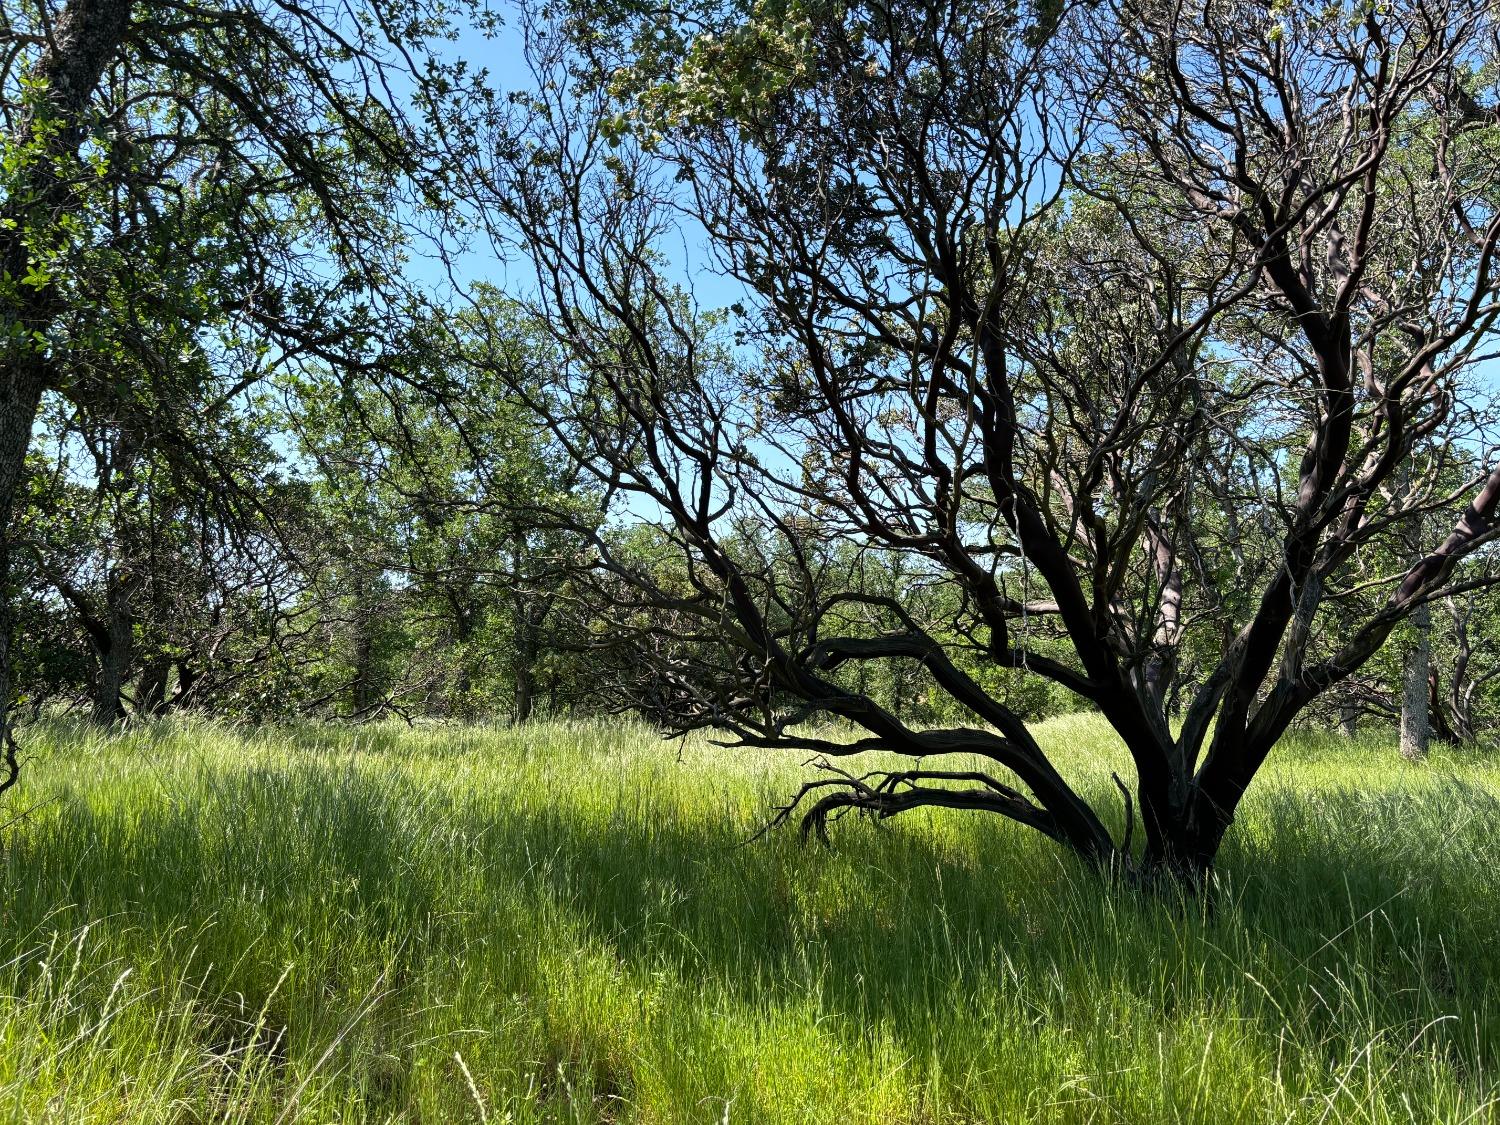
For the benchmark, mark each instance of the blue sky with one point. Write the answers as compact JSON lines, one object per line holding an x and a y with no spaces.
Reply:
{"x":501,"y":56}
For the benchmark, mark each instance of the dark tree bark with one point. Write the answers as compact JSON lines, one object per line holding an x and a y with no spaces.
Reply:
{"x":991,"y":342}
{"x":531,"y":612}
{"x":530,"y":608}
{"x":525,"y":686}
{"x":364,"y":683}
{"x":84,"y":38}
{"x":151,"y":692}
{"x":1442,"y":729}
{"x":116,"y":653}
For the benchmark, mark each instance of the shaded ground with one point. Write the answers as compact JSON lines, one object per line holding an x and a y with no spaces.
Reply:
{"x":560,"y":924}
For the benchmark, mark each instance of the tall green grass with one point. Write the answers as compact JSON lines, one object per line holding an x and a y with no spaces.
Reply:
{"x":560,"y":924}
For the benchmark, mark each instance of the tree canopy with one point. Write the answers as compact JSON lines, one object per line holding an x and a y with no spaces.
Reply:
{"x":926,"y":369}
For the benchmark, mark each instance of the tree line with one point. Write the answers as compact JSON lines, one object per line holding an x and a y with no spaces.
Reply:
{"x":1122,"y":356}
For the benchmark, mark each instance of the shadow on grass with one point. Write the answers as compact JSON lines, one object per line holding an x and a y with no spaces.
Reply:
{"x":1385,"y":900}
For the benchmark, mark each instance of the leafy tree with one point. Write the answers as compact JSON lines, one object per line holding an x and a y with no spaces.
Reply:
{"x":445,"y":498}
{"x":151,"y":568}
{"x":1025,"y":288}
{"x":234,"y":181}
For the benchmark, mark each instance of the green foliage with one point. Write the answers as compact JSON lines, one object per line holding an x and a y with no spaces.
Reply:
{"x":710,"y":61}
{"x":437,"y":497}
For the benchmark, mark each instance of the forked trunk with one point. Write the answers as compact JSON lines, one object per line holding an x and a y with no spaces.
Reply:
{"x":1183,"y":849}
{"x":1442,"y":729}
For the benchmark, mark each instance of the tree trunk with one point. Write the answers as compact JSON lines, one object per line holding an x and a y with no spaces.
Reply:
{"x":525,"y":695}
{"x":1348,"y":719}
{"x":83,"y":39}
{"x":531,"y":609}
{"x":1161,"y":665}
{"x":525,"y":670}
{"x":465,"y":620}
{"x":151,"y":694}
{"x":363,"y":694}
{"x":187,"y":679}
{"x":1416,"y":721}
{"x":115,"y":645}
{"x":109,"y":706}
{"x":1461,"y":686}
{"x":1184,"y":857}
{"x":1442,"y":730}
{"x":20,"y":397}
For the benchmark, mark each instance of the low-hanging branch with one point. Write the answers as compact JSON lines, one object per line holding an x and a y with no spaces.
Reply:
{"x":1062,"y":364}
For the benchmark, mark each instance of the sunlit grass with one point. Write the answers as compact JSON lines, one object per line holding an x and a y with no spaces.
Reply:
{"x":561,"y":924}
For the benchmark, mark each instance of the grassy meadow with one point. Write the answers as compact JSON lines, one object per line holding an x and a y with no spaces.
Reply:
{"x":560,"y":924}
